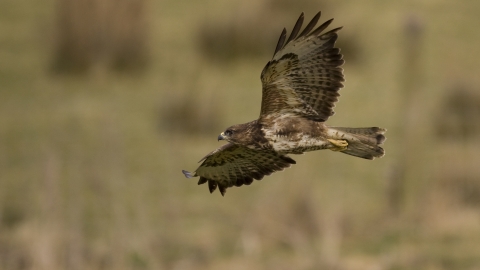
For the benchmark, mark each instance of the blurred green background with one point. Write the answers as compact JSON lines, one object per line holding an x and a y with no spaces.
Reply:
{"x":104,"y":102}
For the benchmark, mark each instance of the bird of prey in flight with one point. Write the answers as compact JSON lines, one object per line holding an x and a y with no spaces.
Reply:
{"x":299,"y":89}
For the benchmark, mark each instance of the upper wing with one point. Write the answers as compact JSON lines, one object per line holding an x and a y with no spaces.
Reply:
{"x":304,"y":76}
{"x":236,"y":165}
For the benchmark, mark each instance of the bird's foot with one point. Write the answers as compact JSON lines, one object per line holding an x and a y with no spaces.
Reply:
{"x":338,"y":145}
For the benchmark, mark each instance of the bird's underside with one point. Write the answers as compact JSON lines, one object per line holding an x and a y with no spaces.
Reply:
{"x":299,"y":89}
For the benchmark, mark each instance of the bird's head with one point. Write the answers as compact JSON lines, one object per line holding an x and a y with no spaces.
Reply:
{"x":227,"y":135}
{"x":232,"y":134}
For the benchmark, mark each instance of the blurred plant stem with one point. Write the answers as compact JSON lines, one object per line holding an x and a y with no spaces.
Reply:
{"x":411,"y":117}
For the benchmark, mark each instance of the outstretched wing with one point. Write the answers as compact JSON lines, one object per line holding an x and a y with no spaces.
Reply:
{"x":305,"y":74}
{"x":234,"y":165}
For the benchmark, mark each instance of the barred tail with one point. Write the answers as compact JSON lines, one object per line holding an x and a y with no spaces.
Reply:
{"x":362,"y":142}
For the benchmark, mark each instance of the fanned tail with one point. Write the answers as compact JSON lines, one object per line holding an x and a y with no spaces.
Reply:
{"x":362,"y":142}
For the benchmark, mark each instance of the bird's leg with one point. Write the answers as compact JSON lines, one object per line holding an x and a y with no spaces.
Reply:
{"x":338,"y":145}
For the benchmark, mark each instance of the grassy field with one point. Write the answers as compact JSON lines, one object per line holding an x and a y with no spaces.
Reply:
{"x":91,"y":159}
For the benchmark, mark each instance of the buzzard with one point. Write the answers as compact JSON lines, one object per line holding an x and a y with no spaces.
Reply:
{"x":299,"y":89}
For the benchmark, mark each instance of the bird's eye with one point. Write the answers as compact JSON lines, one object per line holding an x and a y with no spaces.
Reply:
{"x":228,"y":132}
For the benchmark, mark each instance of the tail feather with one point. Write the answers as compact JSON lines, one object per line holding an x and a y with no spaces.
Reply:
{"x":362,"y":142}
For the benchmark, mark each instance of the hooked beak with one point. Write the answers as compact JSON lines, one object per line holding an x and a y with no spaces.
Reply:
{"x":221,"y":137}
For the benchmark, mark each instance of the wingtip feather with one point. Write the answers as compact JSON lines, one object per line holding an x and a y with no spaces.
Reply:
{"x":289,"y":160}
{"x":187,"y":174}
{"x":281,"y":41}
{"x":334,"y":30}
{"x":202,"y":181}
{"x":296,"y":28}
{"x":222,"y":190}
{"x":212,"y":185}
{"x":310,"y":25}
{"x":322,"y":27}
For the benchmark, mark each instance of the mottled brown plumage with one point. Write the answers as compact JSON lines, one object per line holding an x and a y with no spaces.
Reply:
{"x":300,"y":87}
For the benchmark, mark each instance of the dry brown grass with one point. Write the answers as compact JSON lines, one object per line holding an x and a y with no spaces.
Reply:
{"x":90,"y":165}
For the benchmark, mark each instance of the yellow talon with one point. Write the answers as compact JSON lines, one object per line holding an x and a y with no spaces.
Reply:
{"x":338,"y":145}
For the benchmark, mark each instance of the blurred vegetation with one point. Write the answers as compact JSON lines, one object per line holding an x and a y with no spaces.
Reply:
{"x":91,"y":154}
{"x":107,"y":32}
{"x":460,"y":106}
